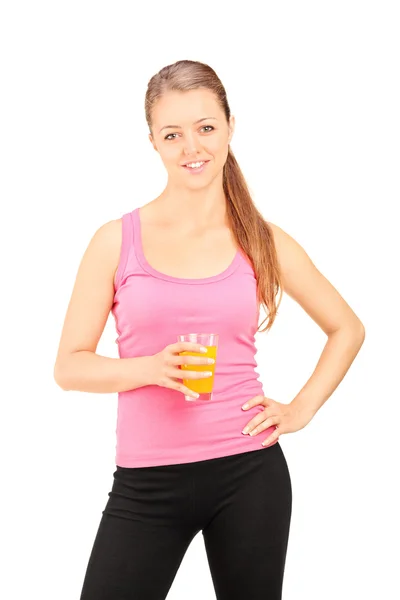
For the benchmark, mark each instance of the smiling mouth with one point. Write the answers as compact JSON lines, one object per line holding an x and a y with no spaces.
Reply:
{"x":199,"y":169}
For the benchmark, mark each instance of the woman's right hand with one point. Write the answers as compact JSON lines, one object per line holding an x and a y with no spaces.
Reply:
{"x":165,"y":371}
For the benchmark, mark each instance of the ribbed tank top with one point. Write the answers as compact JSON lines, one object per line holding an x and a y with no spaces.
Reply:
{"x":156,"y":425}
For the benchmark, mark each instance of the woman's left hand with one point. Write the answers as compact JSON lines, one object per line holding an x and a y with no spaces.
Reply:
{"x":286,"y":417}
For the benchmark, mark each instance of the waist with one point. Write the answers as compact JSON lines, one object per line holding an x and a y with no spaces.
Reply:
{"x":158,"y":426}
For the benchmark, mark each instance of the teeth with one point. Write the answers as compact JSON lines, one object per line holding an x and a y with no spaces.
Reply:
{"x":195,"y":165}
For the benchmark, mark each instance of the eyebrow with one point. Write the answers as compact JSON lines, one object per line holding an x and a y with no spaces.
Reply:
{"x":179,"y":127}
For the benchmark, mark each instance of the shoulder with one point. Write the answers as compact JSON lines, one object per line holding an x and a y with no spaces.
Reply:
{"x":109,"y":234}
{"x":106,"y":241}
{"x":111,"y":231}
{"x":291,"y":255}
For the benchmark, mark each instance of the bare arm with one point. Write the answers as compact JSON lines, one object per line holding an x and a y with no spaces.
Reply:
{"x":303,"y":282}
{"x":86,"y":371}
{"x":77,"y":365}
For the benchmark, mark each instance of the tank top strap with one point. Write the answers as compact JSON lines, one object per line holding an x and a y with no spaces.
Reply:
{"x":126,"y":245}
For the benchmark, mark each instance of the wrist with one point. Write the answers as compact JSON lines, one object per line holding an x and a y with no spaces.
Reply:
{"x":147,"y":370}
{"x":302,"y":404}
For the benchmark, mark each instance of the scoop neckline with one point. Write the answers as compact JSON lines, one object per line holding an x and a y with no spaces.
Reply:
{"x":138,"y":245}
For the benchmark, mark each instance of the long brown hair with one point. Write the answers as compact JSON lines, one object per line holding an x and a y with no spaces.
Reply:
{"x":252,"y":233}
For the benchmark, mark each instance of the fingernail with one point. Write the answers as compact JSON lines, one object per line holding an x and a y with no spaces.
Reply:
{"x":202,"y":349}
{"x":245,"y":430}
{"x":245,"y":406}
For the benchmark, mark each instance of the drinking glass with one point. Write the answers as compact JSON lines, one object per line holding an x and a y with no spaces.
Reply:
{"x":203,"y":386}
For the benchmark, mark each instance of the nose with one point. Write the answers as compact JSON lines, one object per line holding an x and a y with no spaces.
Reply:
{"x":191,"y":146}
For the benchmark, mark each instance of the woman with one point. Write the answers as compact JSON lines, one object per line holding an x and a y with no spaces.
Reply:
{"x":200,"y":257}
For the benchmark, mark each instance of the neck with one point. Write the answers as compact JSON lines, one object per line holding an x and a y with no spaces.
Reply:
{"x":197,"y":208}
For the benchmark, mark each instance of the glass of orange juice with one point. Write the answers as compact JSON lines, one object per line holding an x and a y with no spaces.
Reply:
{"x":204,"y":386}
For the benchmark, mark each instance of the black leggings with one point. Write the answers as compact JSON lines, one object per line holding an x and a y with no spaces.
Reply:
{"x":241,"y":503}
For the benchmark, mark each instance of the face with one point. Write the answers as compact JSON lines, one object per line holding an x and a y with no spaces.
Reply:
{"x":189,"y":127}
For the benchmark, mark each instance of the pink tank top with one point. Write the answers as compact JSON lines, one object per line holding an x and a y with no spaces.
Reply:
{"x":156,"y":425}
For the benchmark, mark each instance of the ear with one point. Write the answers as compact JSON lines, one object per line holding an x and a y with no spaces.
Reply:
{"x":152,"y":142}
{"x":231,"y":128}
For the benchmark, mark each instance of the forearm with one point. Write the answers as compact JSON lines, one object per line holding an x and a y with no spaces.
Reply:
{"x":86,"y":371}
{"x":337,"y":356}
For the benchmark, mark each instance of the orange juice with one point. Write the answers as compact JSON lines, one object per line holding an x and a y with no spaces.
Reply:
{"x":204,"y":385}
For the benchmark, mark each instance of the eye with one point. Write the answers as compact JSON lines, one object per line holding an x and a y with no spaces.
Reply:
{"x":168,"y":137}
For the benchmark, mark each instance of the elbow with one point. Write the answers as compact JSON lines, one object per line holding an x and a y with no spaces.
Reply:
{"x":357,"y":333}
{"x":353,"y":329}
{"x":60,"y":378}
{"x":360,"y":330}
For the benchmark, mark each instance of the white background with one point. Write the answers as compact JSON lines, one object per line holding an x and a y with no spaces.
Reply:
{"x":314,"y":87}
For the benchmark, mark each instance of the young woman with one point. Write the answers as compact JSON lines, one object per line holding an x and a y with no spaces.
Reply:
{"x":198,"y":258}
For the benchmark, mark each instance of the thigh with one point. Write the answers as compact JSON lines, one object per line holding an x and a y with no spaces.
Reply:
{"x":246,"y":541}
{"x":141,"y":539}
